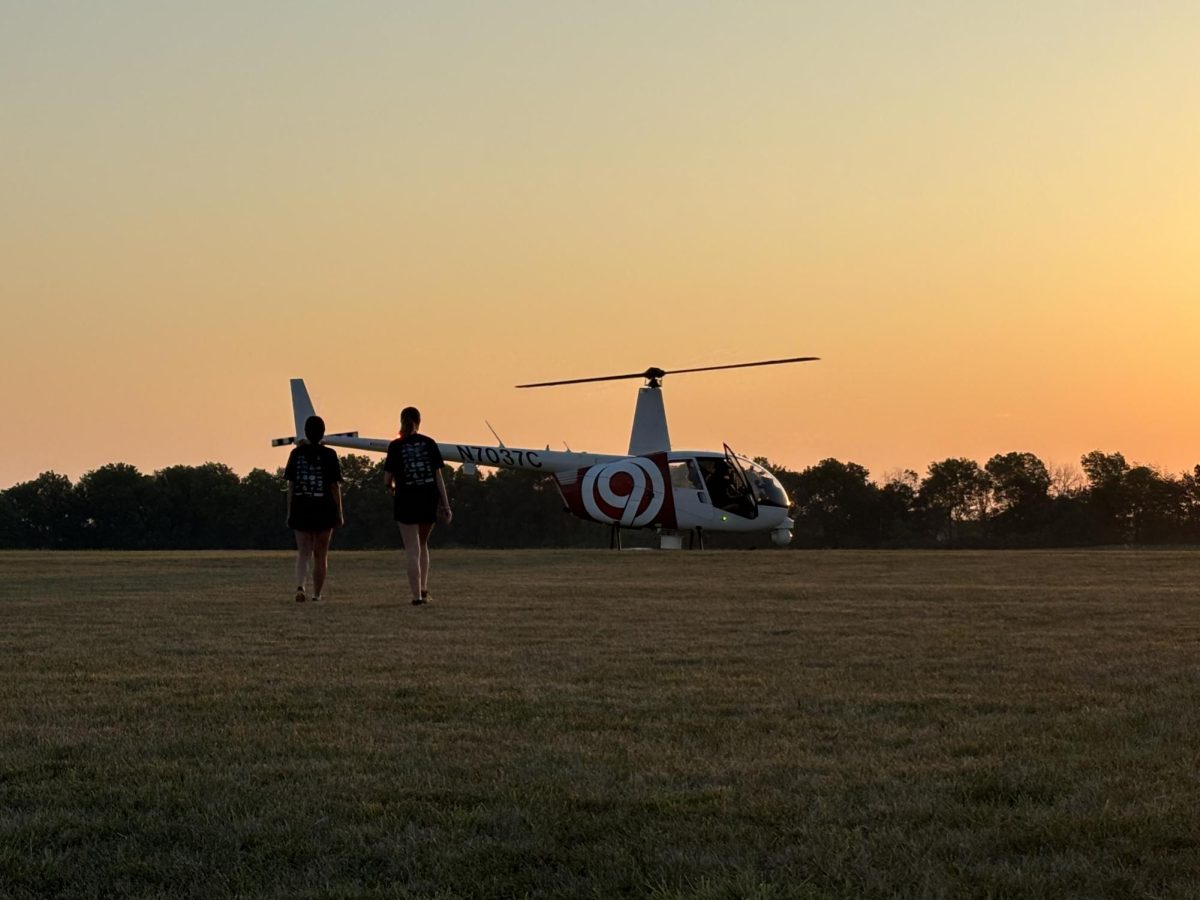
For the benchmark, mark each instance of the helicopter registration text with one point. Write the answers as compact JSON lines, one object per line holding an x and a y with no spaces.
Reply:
{"x":499,"y":456}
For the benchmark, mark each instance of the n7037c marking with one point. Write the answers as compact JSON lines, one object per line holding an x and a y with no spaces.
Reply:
{"x":499,"y":456}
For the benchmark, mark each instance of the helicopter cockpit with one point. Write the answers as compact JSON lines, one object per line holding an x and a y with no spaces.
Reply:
{"x":727,"y":486}
{"x":738,"y":485}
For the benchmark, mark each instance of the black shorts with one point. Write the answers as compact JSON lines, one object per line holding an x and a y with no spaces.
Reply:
{"x":416,"y":506}
{"x":312,"y":514}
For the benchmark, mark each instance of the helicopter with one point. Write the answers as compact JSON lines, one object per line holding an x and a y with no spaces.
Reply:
{"x":650,"y":486}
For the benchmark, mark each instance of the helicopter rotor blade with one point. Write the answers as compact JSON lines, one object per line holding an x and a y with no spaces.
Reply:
{"x":583,"y":380}
{"x":656,"y":373}
{"x":765,"y":362}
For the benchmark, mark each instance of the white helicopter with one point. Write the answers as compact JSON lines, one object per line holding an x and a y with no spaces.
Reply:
{"x":650,"y":486}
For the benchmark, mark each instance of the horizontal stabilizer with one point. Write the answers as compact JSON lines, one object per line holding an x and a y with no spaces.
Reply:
{"x":288,"y":441}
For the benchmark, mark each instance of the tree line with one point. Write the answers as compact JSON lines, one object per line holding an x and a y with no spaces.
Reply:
{"x":1014,"y":500}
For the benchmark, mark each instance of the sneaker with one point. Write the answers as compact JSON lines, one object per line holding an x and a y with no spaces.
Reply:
{"x":315,"y":598}
{"x":300,"y":598}
{"x":417,"y":601}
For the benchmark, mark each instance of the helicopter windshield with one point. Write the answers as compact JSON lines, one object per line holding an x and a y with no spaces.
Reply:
{"x":767,"y":489}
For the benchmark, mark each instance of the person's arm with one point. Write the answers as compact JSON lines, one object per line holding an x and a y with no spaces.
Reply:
{"x":337,"y":499}
{"x":334,"y":474}
{"x":289,"y":475}
{"x":444,"y":512}
{"x":389,"y":477}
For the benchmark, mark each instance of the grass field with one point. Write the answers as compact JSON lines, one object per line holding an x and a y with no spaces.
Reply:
{"x":594,"y":724}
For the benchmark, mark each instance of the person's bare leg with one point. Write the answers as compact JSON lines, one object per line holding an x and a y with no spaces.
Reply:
{"x":321,"y":541}
{"x":304,"y":551}
{"x":412,"y":558}
{"x":423,"y":535}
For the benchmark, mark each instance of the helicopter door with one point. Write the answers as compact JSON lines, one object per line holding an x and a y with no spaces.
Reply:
{"x":692,"y":503}
{"x":747,"y":501}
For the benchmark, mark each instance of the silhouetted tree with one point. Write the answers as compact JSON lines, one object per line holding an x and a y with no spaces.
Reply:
{"x":512,"y":508}
{"x":1066,"y":480}
{"x":46,"y":512}
{"x":1110,"y":507}
{"x":198,"y":506}
{"x":1021,"y":492}
{"x":261,"y":512}
{"x":960,"y":489}
{"x":1190,"y":487}
{"x":368,"y":506}
{"x":1156,"y":505}
{"x":118,"y":504}
{"x":901,"y":520}
{"x":10,"y":523}
{"x":836,"y":506}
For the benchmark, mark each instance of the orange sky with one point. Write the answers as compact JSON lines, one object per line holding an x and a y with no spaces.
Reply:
{"x":985,"y":218}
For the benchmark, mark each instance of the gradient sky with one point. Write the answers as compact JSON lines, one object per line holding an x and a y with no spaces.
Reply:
{"x":984,"y":217}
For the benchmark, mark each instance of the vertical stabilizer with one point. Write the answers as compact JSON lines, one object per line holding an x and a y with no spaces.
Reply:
{"x":302,"y":406}
{"x":649,"y":433}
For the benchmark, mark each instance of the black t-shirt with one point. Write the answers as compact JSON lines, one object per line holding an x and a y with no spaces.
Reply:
{"x":413,"y":461}
{"x":313,"y":469}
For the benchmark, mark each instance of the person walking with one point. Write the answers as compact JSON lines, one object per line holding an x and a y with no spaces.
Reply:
{"x":413,"y":473}
{"x":314,"y":477}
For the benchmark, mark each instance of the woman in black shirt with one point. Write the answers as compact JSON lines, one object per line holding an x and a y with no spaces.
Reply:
{"x":314,"y":478}
{"x":413,"y":473}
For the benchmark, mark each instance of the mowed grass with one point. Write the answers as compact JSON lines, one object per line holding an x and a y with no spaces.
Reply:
{"x":597,"y":724}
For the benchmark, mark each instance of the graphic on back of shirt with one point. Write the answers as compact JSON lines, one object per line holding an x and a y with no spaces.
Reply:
{"x":417,"y":464}
{"x":310,"y":476}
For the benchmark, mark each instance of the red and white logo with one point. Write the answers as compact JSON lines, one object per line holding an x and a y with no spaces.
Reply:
{"x":633,"y":492}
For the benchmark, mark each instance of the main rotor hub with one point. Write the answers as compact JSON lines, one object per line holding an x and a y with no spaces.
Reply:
{"x":654,"y":376}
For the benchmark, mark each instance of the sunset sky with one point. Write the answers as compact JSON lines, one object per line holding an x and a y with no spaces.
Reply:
{"x":984,"y":217}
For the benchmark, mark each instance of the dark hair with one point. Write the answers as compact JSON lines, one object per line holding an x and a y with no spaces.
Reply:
{"x":410,"y":418}
{"x":314,"y":429}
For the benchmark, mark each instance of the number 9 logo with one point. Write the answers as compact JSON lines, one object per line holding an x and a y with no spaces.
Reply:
{"x":627,"y":493}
